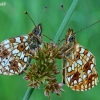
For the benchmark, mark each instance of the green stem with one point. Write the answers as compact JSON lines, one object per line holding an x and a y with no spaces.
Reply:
{"x":65,"y":20}
{"x":60,"y":30}
{"x":28,"y":93}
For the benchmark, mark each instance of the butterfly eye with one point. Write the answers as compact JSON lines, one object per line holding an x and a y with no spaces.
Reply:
{"x":72,"y":38}
{"x":36,"y":31}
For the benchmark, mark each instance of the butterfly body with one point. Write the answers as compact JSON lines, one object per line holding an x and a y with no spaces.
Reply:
{"x":15,"y":52}
{"x":79,"y":71}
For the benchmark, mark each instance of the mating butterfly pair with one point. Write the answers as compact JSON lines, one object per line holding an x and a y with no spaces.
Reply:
{"x":79,"y":71}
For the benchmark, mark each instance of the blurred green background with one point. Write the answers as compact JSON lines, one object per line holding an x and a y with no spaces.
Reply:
{"x":13,"y":22}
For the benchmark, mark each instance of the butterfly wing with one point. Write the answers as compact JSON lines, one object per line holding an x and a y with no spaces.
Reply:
{"x":14,"y":55}
{"x":15,"y":52}
{"x":79,"y":71}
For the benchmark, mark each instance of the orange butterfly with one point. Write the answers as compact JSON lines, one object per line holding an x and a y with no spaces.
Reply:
{"x":79,"y":71}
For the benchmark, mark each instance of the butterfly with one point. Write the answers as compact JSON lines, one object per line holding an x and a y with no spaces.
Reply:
{"x":15,"y":52}
{"x":79,"y":71}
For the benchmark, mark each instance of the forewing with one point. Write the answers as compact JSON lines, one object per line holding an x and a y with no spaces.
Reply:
{"x":79,"y":71}
{"x":14,"y":55}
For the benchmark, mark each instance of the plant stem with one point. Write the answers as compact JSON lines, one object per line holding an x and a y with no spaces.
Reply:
{"x":65,"y":20}
{"x":28,"y":93}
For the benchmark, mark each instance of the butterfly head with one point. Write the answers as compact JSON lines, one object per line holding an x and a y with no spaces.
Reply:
{"x":37,"y":30}
{"x":70,"y":37}
{"x":35,"y":38}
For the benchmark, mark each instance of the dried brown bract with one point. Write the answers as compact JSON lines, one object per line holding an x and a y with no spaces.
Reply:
{"x":44,"y":69}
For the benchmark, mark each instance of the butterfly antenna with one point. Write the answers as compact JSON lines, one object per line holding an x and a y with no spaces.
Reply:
{"x":30,"y":18}
{"x":43,"y":12}
{"x":41,"y":17}
{"x":87,"y":26}
{"x":62,"y":6}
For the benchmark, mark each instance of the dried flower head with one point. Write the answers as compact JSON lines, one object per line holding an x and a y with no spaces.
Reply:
{"x":44,"y":69}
